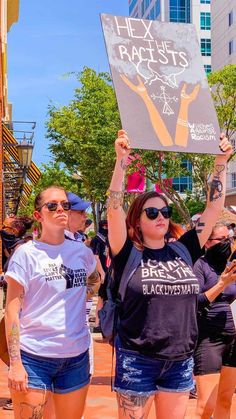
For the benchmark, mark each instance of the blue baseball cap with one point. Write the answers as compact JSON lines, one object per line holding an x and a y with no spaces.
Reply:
{"x":77,"y":203}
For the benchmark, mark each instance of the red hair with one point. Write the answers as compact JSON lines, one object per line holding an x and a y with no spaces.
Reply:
{"x":133,"y":216}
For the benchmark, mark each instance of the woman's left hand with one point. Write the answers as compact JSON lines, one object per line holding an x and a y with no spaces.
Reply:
{"x":225,"y":146}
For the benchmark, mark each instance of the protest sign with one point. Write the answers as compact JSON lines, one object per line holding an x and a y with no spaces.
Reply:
{"x":161,"y":86}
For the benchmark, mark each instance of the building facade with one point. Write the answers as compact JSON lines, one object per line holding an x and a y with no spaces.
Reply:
{"x":224,"y":53}
{"x":223,"y":33}
{"x":197,"y":12}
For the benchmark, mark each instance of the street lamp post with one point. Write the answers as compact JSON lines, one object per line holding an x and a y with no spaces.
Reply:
{"x":25,"y":151}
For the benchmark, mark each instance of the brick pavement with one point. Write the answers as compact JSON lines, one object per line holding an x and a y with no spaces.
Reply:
{"x":101,"y":403}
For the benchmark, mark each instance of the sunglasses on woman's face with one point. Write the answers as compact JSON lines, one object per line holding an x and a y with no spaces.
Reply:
{"x":52,"y":206}
{"x":152,"y":212}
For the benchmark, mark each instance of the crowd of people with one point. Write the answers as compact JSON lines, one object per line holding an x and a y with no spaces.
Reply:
{"x":175,"y":320}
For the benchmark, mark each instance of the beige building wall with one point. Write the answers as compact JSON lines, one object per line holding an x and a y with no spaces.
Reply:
{"x":223,"y":33}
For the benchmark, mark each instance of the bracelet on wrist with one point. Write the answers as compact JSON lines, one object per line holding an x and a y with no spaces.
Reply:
{"x":115,"y":199}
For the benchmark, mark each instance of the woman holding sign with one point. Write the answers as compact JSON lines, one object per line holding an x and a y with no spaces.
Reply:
{"x":157,"y":328}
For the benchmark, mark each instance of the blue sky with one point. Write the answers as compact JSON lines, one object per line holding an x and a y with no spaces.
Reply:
{"x":51,"y":38}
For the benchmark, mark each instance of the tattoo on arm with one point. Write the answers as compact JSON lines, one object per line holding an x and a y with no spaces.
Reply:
{"x":14,"y":343}
{"x":115,"y":199}
{"x":216,"y":186}
{"x":93,"y":279}
{"x":123,"y":164}
{"x":132,"y":405}
{"x":199,"y":227}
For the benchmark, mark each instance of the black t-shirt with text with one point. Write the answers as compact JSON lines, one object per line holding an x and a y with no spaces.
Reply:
{"x":158,"y":316}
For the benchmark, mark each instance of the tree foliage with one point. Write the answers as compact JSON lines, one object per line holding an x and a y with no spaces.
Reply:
{"x":82,"y":134}
{"x":223,"y":84}
{"x":52,"y":174}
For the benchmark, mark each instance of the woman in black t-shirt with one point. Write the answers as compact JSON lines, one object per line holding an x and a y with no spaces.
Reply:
{"x":215,"y":354}
{"x":157,"y":329}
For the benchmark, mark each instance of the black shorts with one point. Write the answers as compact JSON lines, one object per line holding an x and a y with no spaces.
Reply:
{"x":214,"y":352}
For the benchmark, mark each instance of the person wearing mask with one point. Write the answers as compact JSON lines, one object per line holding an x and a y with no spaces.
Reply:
{"x":215,"y":354}
{"x":45,"y":316}
{"x":157,"y":327}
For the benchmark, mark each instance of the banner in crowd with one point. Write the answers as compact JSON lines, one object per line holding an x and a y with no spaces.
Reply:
{"x":161,"y":86}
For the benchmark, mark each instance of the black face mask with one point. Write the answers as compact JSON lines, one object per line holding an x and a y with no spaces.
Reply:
{"x":218,"y":255}
{"x":103,"y":231}
{"x":8,"y":240}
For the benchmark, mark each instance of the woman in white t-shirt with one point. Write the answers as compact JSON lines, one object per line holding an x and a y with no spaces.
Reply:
{"x":47,"y":336}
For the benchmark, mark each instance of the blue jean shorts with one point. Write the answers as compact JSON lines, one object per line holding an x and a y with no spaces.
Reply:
{"x":58,"y":375}
{"x":138,"y":374}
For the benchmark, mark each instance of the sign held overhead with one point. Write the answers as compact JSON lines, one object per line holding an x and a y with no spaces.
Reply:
{"x":161,"y":86}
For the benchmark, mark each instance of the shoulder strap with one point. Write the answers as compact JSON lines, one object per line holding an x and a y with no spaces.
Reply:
{"x":132,"y":263}
{"x":181,"y":251}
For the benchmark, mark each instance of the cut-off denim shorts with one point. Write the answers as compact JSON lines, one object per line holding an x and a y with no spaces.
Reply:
{"x":138,"y":374}
{"x":58,"y":375}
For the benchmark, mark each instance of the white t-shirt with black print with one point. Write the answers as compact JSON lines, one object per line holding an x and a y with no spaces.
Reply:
{"x":53,"y":316}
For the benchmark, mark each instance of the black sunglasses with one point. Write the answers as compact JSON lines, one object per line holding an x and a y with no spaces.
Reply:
{"x":152,"y":212}
{"x":52,"y":206}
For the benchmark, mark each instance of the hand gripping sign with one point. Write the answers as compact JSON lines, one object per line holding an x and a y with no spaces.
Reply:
{"x":161,"y":86}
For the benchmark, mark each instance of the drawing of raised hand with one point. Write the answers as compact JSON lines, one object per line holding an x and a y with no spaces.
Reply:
{"x":182,"y":127}
{"x":189,"y":97}
{"x":156,"y":120}
{"x":137,"y":88}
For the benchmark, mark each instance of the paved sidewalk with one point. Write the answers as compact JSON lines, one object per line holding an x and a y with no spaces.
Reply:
{"x":101,"y":402}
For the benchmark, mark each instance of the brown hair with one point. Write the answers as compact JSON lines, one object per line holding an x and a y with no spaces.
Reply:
{"x":39,"y":198}
{"x":134,"y":214}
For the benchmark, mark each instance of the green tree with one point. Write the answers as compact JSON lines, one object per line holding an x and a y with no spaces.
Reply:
{"x":52,"y":174}
{"x":82,"y":133}
{"x":223,"y":84}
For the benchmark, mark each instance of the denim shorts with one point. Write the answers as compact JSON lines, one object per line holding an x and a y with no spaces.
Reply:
{"x":212,"y":353}
{"x":139,"y":374}
{"x":59,"y":375}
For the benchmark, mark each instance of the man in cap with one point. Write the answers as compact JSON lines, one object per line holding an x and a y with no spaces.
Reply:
{"x":77,"y":217}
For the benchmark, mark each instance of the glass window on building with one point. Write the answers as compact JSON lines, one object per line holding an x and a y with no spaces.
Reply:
{"x":152,"y":14}
{"x":233,"y":180}
{"x":205,"y":20}
{"x":157,"y":8}
{"x":231,"y":18}
{"x":180,"y":11}
{"x":207,"y":68}
{"x":205,"y":47}
{"x":144,"y":5}
{"x":183,"y":183}
{"x":231,"y":47}
{"x":205,"y":1}
{"x":132,"y":6}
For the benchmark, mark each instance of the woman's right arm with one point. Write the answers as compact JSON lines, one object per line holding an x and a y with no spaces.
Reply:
{"x":117,"y":232}
{"x":17,"y":378}
{"x":227,"y":277}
